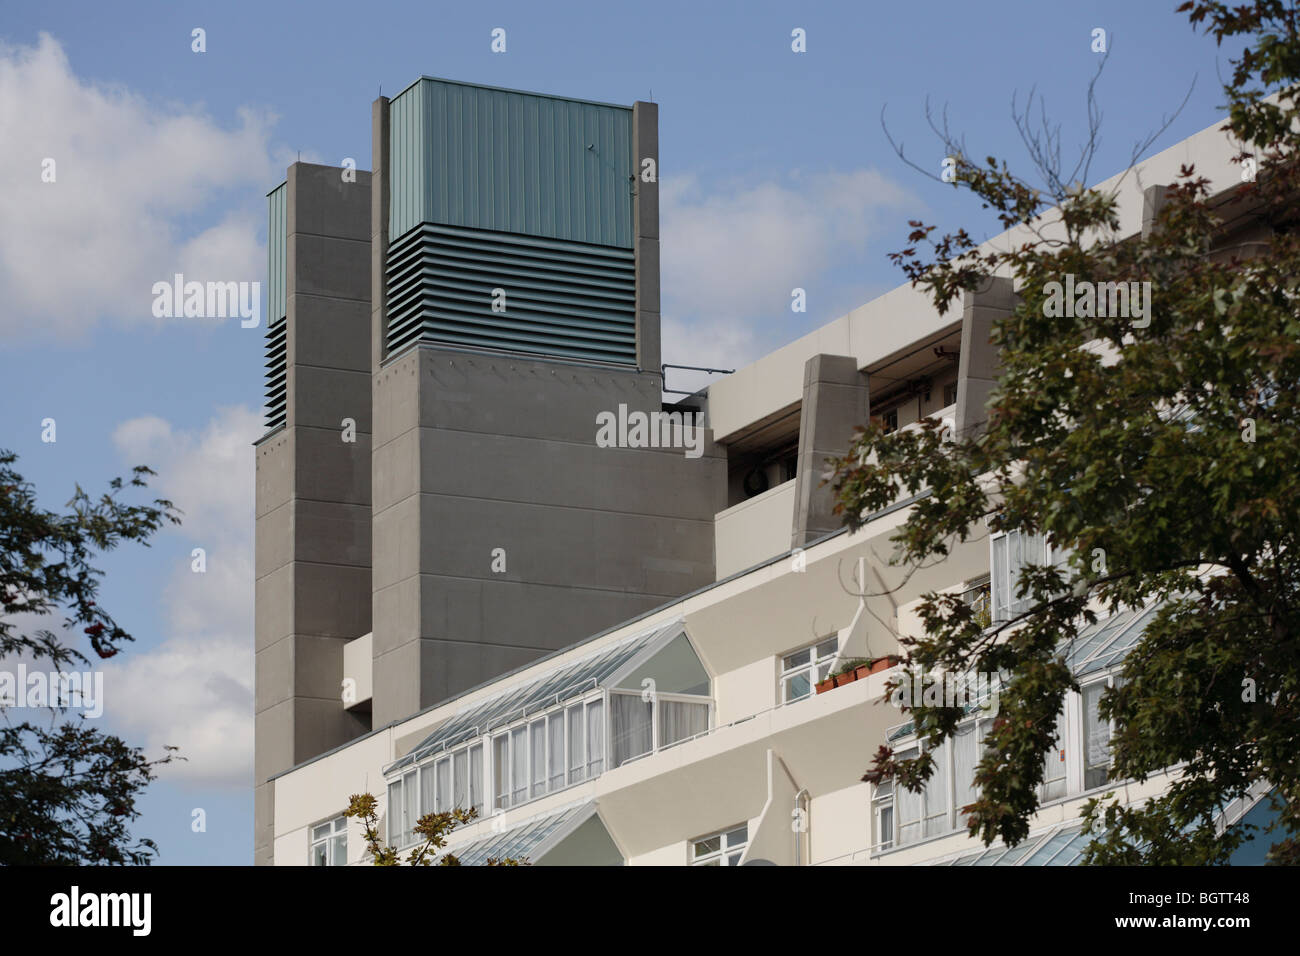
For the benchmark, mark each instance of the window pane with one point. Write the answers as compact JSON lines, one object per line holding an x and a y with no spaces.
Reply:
{"x":797,"y":659}
{"x":886,"y":835}
{"x":537,"y":740}
{"x":798,"y":687}
{"x":935,"y":801}
{"x":1054,"y":768}
{"x":998,"y":579}
{"x":965,"y":755}
{"x":426,"y":790}
{"x":460,"y":780}
{"x":319,"y":856}
{"x":679,"y":720}
{"x":577,"y":751}
{"x":476,"y":777}
{"x":320,"y":832}
{"x":738,"y":836}
{"x":395,"y":813}
{"x":828,"y":648}
{"x":518,"y":765}
{"x":595,"y":737}
{"x":708,"y":845}
{"x":501,"y":771}
{"x":410,"y":811}
{"x":1096,"y":739}
{"x":908,"y":807}
{"x":555,"y":756}
{"x":340,"y":849}
{"x":631,"y":732}
{"x":444,"y":785}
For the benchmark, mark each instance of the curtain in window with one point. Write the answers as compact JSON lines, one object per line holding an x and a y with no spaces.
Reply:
{"x":555,"y":754}
{"x":935,"y":798}
{"x":965,"y":755}
{"x":1096,"y":738}
{"x":501,"y":770}
{"x":1054,"y":768}
{"x":395,"y":813}
{"x":631,"y":731}
{"x":444,"y":784}
{"x":998,"y":579}
{"x":426,"y":789}
{"x":595,"y":738}
{"x":460,"y":776}
{"x":537,"y":739}
{"x":680,"y":719}
{"x":909,"y":808}
{"x":577,"y":749}
{"x":518,"y":765}
{"x":476,"y":777}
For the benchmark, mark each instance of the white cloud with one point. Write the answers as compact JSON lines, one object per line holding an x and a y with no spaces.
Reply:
{"x":140,"y":193}
{"x":195,"y":690}
{"x":731,"y":256}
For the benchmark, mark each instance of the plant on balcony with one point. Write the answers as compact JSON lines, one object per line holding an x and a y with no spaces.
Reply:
{"x":856,"y":668}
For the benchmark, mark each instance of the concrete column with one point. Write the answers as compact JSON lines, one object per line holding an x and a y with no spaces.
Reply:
{"x":312,"y":591}
{"x":835,"y":401}
{"x":977,"y":369}
{"x":645,"y":228}
{"x":1154,"y":199}
{"x":379,"y":201}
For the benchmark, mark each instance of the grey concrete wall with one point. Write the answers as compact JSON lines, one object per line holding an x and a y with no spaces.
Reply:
{"x":475,"y":452}
{"x":645,"y":228}
{"x":835,"y":402}
{"x":313,"y":536}
{"x":977,"y":369}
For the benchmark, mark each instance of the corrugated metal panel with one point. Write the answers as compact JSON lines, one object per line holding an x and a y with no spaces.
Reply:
{"x":562,"y":299}
{"x":277,"y":255}
{"x":515,"y":162}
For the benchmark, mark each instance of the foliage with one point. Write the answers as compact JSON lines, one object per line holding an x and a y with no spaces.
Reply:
{"x":1161,"y":454}
{"x":432,"y":828}
{"x":67,"y":791}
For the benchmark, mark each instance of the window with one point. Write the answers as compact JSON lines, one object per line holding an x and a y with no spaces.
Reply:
{"x":402,"y":809}
{"x":724,"y":848}
{"x":904,"y":817}
{"x":555,"y":753}
{"x":1011,"y":552}
{"x":537,"y":741}
{"x":679,"y":719}
{"x":1054,"y":766}
{"x":1096,"y":738}
{"x":950,"y":394}
{"x":476,"y":777}
{"x":595,"y":737}
{"x":501,"y":771}
{"x":577,"y":746}
{"x":806,"y":667}
{"x":882,"y":802}
{"x":518,"y":765}
{"x":631,"y":726}
{"x":890,"y":419}
{"x":329,"y":843}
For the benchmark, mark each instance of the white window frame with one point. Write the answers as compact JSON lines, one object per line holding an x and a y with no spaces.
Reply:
{"x":1004,"y":585}
{"x":656,"y":744}
{"x":723,"y":856}
{"x":813,"y":668}
{"x":337,"y":830}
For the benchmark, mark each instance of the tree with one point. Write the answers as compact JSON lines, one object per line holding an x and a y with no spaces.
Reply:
{"x":433,"y":828}
{"x":1162,"y":454}
{"x":67,"y":791}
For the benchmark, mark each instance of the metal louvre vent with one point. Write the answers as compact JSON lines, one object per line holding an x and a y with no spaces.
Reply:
{"x":277,"y":373}
{"x":564,"y":299}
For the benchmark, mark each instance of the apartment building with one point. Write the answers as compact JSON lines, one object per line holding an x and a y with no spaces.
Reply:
{"x":613,"y":654}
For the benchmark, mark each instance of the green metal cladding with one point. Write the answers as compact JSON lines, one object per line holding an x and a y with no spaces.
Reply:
{"x":277,"y":265}
{"x":533,"y":165}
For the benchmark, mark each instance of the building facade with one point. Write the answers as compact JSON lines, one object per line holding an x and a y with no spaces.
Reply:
{"x":469,"y":471}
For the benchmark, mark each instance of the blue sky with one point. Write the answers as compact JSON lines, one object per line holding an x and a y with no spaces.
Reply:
{"x":775,"y":173}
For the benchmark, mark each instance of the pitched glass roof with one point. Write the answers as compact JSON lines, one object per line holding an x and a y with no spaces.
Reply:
{"x":1100,"y":645}
{"x":528,"y":841}
{"x":1062,"y":846}
{"x":549,"y":688}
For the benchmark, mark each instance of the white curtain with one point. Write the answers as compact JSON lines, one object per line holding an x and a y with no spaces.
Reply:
{"x":909,"y":807}
{"x":681,"y":719}
{"x":631,"y":731}
{"x":965,"y":755}
{"x":935,"y":801}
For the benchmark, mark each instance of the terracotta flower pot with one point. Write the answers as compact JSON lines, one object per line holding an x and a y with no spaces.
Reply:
{"x":883,"y":664}
{"x":825,"y":685}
